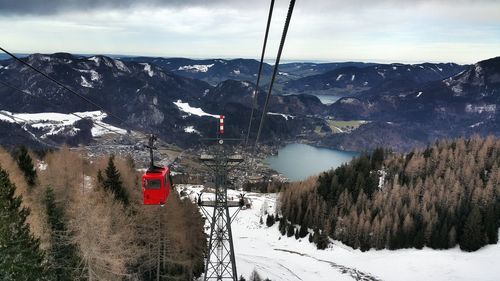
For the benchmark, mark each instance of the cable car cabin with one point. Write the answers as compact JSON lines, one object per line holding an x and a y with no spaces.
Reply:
{"x":156,"y":185}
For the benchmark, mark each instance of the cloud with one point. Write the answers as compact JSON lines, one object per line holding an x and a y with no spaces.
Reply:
{"x":393,"y":30}
{"x":50,"y":7}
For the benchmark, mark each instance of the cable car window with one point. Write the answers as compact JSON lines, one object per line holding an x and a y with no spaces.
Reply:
{"x":153,"y":184}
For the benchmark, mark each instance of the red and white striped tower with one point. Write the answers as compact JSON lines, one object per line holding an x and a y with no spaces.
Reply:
{"x":221,"y":124}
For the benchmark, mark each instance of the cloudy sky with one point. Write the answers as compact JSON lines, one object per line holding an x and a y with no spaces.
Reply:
{"x":463,"y":31}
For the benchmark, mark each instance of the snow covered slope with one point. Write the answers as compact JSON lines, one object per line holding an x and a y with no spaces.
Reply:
{"x":286,"y":259}
{"x":56,"y":123}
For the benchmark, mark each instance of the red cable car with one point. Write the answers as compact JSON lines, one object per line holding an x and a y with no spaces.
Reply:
{"x":156,"y":184}
{"x":156,"y":181}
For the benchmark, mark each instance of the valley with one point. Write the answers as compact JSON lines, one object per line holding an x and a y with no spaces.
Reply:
{"x":321,"y":115}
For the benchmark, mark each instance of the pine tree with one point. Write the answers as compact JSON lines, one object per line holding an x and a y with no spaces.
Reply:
{"x":472,"y":238}
{"x":270,"y":220}
{"x":21,"y":257}
{"x":491,"y":225}
{"x":297,"y":234}
{"x":290,"y":230}
{"x":303,"y":231}
{"x":25,"y":163}
{"x":322,"y":241}
{"x":113,"y":182}
{"x":62,"y":253}
{"x":100,"y":179}
{"x":282,"y":226}
{"x":255,"y":276}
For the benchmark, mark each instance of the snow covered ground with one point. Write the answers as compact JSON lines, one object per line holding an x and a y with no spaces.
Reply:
{"x":286,"y":259}
{"x":54,"y":123}
{"x":196,"y":67}
{"x":286,"y":116}
{"x":185,"y":107}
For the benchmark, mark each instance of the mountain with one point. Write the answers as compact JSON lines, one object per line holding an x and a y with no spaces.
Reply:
{"x":353,"y":80}
{"x":215,"y":71}
{"x":400,"y":106}
{"x":302,"y":69}
{"x":241,"y":92}
{"x":140,"y":94}
{"x":212,"y":71}
{"x":143,"y":96}
{"x":462,"y":105}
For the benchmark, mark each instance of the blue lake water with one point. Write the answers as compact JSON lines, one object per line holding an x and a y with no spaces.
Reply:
{"x":299,"y":161}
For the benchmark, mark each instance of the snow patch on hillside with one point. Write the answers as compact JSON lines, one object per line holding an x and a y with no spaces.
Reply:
{"x":148,"y":69}
{"x":121,"y":66}
{"x":488,"y":108}
{"x":286,"y":116}
{"x":85,"y":83}
{"x":95,"y":59}
{"x":196,"y":67}
{"x":52,"y":123}
{"x":94,"y":75}
{"x":185,"y":107}
{"x":476,"y":124}
{"x":191,"y":130}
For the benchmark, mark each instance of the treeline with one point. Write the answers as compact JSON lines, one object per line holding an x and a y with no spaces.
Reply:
{"x":65,"y":218}
{"x":445,"y":195}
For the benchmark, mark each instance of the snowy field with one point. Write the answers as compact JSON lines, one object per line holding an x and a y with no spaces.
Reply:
{"x":54,"y":123}
{"x":280,"y":258}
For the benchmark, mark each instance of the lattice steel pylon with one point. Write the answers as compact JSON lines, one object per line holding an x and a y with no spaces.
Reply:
{"x":220,"y":263}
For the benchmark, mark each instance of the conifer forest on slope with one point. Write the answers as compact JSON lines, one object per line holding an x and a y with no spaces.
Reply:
{"x":445,"y":195}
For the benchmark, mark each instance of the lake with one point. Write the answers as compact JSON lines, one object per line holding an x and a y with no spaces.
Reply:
{"x":299,"y":161}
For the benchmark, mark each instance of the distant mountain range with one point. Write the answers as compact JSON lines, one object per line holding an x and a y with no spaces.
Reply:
{"x":140,"y":93}
{"x":401,"y":105}
{"x":353,"y":80}
{"x":461,"y":105}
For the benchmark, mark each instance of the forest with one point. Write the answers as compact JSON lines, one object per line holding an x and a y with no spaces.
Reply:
{"x":65,"y":217}
{"x":445,"y":195}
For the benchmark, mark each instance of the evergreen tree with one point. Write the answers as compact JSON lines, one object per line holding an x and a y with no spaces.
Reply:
{"x":297,"y":234}
{"x":113,"y":182}
{"x":303,"y":231}
{"x":100,"y":179}
{"x":25,"y":163}
{"x":21,"y":257}
{"x":322,"y":241}
{"x":242,"y":278}
{"x":290,"y":230}
{"x":472,"y":238}
{"x":282,"y":226}
{"x":255,"y":276}
{"x":63,"y":256}
{"x":270,"y":220}
{"x":491,"y":225}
